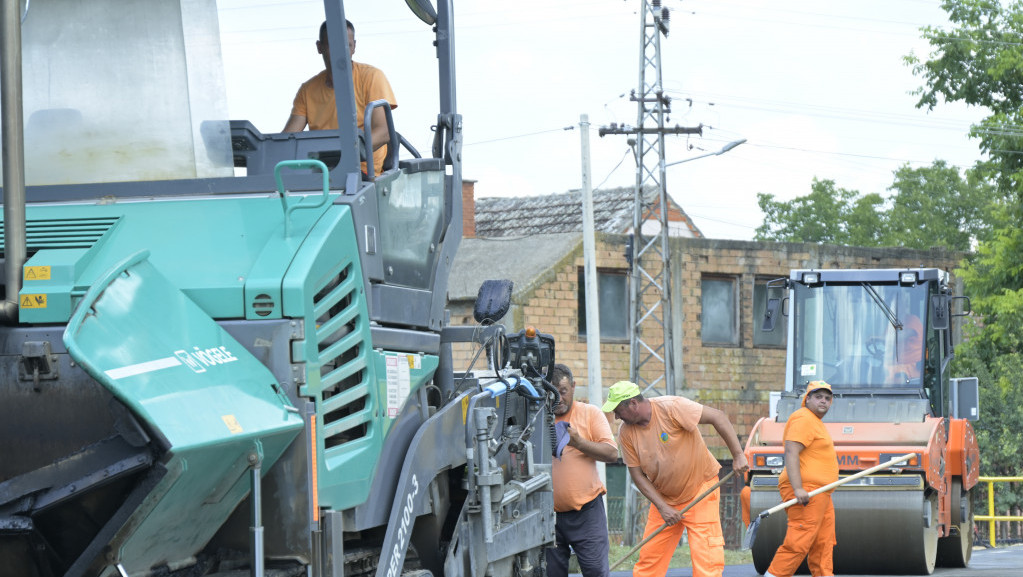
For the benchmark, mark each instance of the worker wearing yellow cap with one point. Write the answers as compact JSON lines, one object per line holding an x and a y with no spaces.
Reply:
{"x":810,"y":462}
{"x":671,"y":465}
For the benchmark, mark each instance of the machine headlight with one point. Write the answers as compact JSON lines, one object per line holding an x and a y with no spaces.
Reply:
{"x":775,"y":460}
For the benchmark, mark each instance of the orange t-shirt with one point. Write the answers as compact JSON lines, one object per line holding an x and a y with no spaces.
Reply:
{"x":670,"y":449}
{"x":576,"y":481}
{"x":315,"y":101}
{"x":818,"y":463}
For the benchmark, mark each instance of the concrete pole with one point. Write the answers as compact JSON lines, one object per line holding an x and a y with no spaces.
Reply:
{"x":593,"y":373}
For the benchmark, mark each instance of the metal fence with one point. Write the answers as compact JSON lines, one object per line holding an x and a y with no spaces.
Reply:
{"x":992,"y":528}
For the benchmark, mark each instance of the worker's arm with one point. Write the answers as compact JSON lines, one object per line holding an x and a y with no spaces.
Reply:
{"x":712,"y":416}
{"x":598,"y":451}
{"x":668,"y":513}
{"x":380,"y":135}
{"x":792,"y":451}
{"x":296,"y":123}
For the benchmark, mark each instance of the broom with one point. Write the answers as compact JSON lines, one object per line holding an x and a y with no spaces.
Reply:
{"x":751,"y":531}
{"x":663,"y":526}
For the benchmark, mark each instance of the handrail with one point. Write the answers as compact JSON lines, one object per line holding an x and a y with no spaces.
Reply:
{"x":991,"y":517}
{"x":306,"y":163}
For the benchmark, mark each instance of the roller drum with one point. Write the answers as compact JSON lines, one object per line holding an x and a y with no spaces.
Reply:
{"x":883,"y":525}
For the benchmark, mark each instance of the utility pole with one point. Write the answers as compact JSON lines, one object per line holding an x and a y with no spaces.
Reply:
{"x":593,"y":371}
{"x":652,"y":364}
{"x":593,"y":367}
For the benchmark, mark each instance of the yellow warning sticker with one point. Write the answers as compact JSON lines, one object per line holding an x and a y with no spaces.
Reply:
{"x":232,"y":424}
{"x":37,"y":273}
{"x":33,"y":301}
{"x":465,"y":408}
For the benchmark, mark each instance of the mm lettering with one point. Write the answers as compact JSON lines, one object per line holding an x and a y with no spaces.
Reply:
{"x":849,"y":460}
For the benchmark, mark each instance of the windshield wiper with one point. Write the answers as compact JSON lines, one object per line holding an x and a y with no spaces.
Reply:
{"x":884,"y":306}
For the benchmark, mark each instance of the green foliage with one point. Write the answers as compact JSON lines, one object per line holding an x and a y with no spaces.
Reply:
{"x":932,"y":206}
{"x":979,"y":61}
{"x":998,"y":431}
{"x":935,"y":206}
{"x":828,"y":215}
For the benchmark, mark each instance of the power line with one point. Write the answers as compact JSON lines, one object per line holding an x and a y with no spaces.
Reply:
{"x":503,"y":138}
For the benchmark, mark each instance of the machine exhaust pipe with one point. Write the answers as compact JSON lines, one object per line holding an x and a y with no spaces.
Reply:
{"x":13,"y":157}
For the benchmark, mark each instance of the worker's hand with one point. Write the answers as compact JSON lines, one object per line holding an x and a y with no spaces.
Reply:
{"x":740,"y":464}
{"x":573,"y":436}
{"x":802,"y":496}
{"x":670,"y":515}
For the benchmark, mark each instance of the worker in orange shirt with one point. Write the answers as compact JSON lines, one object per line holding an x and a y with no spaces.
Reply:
{"x":908,"y":359}
{"x":810,"y":462}
{"x":316,"y":108}
{"x":671,"y":465}
{"x":581,"y":521}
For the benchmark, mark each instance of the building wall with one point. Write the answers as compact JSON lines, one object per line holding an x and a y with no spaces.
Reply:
{"x":734,"y":378}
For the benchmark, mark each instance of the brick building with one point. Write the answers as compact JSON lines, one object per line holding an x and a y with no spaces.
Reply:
{"x":721,"y":357}
{"x":724,"y":361}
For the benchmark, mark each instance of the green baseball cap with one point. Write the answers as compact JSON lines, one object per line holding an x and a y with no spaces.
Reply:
{"x":620,"y":391}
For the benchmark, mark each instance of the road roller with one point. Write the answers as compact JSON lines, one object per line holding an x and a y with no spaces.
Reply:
{"x":883,"y":340}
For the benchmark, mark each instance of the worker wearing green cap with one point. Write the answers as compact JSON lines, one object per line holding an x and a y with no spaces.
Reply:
{"x":670,"y":464}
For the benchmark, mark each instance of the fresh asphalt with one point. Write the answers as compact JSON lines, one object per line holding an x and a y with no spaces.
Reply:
{"x":1000,"y":562}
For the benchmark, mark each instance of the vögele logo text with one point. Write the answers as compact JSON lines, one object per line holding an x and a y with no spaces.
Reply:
{"x":199,"y":359}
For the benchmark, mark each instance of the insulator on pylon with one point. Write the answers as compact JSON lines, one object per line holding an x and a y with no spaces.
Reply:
{"x":656,"y":3}
{"x":665,"y":14}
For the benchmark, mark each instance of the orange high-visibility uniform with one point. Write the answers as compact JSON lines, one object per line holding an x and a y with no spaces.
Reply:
{"x":744,"y":507}
{"x":811,"y":528}
{"x":671,"y":453}
{"x":810,"y":534}
{"x":706,"y":543}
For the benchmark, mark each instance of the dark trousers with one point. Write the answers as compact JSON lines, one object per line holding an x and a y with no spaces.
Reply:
{"x":585,"y":531}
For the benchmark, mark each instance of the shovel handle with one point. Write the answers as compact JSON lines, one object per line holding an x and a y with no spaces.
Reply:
{"x":665,"y":525}
{"x":839,"y":482}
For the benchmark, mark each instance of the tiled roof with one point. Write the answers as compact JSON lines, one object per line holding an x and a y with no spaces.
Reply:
{"x":554,"y":213}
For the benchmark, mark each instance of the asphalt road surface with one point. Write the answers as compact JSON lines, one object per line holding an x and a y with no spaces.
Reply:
{"x":1000,"y":562}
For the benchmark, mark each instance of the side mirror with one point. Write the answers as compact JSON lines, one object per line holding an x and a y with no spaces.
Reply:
{"x":493,"y":301}
{"x":424,"y":10}
{"x":939,"y":312}
{"x":773,"y":308}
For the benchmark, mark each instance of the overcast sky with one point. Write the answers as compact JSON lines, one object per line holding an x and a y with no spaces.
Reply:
{"x":818,"y":89}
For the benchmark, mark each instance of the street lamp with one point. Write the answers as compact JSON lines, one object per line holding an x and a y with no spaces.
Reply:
{"x":723,"y":150}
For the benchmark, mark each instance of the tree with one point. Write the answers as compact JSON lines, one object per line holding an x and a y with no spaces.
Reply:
{"x":931,"y":206}
{"x":979,"y":61}
{"x":828,"y":214}
{"x":935,"y":206}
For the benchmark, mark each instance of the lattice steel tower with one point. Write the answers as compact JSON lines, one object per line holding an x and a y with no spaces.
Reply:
{"x":652,"y":363}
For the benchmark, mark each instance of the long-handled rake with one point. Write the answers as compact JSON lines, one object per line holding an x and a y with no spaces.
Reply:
{"x":684,"y":509}
{"x":751,"y":531}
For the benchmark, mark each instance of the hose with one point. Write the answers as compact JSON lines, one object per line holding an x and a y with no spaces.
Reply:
{"x":554,"y":396}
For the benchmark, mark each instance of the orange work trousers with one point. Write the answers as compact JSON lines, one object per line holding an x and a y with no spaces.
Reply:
{"x":706,"y":544}
{"x":810,"y":534}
